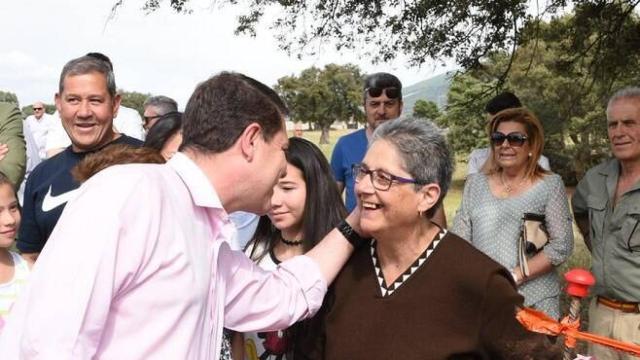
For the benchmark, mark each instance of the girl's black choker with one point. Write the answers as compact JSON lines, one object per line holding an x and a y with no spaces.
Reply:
{"x":291,"y":242}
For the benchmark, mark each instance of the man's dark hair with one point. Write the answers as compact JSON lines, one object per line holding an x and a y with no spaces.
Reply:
{"x":505,"y":100}
{"x":85,"y":65}
{"x":382,"y":80}
{"x":222,"y":107}
{"x":101,"y":57}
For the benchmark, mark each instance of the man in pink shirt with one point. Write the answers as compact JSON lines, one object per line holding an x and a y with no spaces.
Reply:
{"x":138,"y":266}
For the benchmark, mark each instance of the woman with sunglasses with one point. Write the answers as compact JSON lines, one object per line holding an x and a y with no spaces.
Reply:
{"x":415,"y":290}
{"x":495,"y":200}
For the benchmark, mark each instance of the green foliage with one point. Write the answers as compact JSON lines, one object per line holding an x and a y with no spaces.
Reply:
{"x":6,"y":96}
{"x":134,"y":100}
{"x":566,"y":94}
{"x":466,"y":31}
{"x":322,"y":96}
{"x":426,"y":109}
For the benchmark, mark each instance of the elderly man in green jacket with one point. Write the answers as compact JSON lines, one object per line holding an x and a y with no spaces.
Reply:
{"x":12,"y":145}
{"x":606,"y":206}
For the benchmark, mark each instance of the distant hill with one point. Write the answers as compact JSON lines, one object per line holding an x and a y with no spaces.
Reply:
{"x":434,"y":89}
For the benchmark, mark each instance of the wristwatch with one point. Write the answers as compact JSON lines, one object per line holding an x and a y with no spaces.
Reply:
{"x":352,"y":236}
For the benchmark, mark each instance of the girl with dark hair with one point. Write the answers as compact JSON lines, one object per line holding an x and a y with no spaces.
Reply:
{"x":14,"y":269}
{"x":165,"y":135}
{"x":305,"y":206}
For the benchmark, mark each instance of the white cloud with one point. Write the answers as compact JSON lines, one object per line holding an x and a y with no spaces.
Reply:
{"x":161,"y":53}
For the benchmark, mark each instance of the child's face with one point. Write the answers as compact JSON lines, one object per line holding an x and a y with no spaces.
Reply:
{"x":9,"y":216}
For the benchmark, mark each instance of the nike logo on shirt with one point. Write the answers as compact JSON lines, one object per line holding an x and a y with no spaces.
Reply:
{"x":51,"y":202}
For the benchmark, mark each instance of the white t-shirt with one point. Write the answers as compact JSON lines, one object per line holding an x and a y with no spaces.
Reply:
{"x":478,"y":157}
{"x":246,"y":224}
{"x":9,"y":291}
{"x":127,"y":122}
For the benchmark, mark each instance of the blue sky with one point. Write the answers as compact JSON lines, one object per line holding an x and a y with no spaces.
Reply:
{"x":161,"y":53}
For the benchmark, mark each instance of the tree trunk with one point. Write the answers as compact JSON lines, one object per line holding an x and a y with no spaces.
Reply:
{"x":324,"y":135}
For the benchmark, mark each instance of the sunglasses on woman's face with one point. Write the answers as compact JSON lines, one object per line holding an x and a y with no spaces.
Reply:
{"x":391,"y":92}
{"x":514,"y":139}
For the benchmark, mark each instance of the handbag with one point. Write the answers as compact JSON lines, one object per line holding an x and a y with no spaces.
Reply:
{"x":533,"y":237}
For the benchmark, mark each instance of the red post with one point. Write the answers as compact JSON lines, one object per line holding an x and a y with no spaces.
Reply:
{"x":578,"y":283}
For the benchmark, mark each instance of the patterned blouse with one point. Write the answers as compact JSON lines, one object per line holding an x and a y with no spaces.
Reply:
{"x":493,"y":224}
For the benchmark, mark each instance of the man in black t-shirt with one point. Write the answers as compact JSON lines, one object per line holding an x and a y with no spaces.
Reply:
{"x":87,"y":103}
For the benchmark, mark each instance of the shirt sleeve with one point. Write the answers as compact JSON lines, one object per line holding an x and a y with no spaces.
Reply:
{"x":473,"y":167}
{"x":89,"y":261}
{"x":337,"y":162}
{"x":129,"y":123}
{"x":11,"y":133}
{"x":57,"y":138}
{"x":544,"y":163}
{"x":30,"y":238}
{"x":462,"y":225}
{"x":258,"y":300}
{"x":559,"y":223}
{"x":579,"y":198}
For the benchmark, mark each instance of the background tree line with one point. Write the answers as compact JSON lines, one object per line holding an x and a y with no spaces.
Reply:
{"x":567,"y":92}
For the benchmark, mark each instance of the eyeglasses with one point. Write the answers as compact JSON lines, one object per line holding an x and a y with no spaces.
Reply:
{"x":37,"y":108}
{"x":515,"y":139}
{"x":380,"y":179}
{"x":148,"y":119}
{"x":391,"y":92}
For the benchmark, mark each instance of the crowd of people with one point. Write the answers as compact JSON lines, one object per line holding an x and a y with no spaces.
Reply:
{"x":209,"y":234}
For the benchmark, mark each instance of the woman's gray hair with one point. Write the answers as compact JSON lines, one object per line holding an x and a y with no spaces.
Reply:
{"x":86,"y":65}
{"x":423,"y":149}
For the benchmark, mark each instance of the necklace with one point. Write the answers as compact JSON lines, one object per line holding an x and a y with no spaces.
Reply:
{"x":509,"y":188}
{"x":291,"y":242}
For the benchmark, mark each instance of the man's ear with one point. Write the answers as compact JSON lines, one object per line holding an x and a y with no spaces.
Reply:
{"x":249,"y":140}
{"x":58,"y":101}
{"x":429,"y":195}
{"x":116,"y":104}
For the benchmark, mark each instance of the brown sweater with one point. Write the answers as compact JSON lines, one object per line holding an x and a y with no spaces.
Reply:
{"x":459,"y":304}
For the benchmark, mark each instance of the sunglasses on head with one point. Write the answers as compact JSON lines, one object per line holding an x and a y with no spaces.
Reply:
{"x":391,"y":92}
{"x":514,"y":138}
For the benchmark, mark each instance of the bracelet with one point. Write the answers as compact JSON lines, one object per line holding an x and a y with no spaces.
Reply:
{"x":351,"y":235}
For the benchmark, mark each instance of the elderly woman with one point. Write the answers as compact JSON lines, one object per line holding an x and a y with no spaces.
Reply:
{"x":415,"y":290}
{"x":495,"y":201}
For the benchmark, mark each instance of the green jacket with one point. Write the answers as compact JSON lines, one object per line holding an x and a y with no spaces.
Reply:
{"x":614,"y":231}
{"x":13,"y":164}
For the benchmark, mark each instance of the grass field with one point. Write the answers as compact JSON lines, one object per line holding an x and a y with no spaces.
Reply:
{"x":579,"y":258}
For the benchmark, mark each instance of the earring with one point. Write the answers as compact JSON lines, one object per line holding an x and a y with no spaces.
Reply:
{"x":530,"y":154}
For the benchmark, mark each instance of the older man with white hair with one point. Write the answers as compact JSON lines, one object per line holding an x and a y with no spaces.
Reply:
{"x":606,"y":206}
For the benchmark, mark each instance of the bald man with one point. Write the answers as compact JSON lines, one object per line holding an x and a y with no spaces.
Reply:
{"x":39,"y":124}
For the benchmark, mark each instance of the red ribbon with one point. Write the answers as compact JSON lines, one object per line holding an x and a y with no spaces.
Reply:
{"x":540,"y":322}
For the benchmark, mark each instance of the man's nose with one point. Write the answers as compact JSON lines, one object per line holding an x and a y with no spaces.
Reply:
{"x":85,"y":109}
